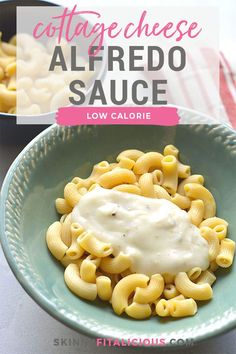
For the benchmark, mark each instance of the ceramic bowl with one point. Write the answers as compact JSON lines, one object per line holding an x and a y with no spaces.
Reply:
{"x":38,"y":176}
{"x":10,"y":132}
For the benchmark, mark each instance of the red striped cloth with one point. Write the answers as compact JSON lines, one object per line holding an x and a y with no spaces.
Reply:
{"x":201,"y":89}
{"x":228,"y":89}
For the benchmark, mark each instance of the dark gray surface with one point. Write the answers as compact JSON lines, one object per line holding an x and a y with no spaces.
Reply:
{"x":12,"y":141}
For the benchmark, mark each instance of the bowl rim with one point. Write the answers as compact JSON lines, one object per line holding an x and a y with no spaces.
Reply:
{"x":38,"y":297}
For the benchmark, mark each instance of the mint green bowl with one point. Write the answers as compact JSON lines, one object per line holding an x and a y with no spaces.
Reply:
{"x":37,"y":177}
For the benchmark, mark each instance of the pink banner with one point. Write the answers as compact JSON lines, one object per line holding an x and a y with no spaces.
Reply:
{"x":73,"y":115}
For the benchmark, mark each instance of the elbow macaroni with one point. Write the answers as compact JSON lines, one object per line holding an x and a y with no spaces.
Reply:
{"x":169,"y":165}
{"x":147,"y":161}
{"x":196,"y":211}
{"x":213,"y":241}
{"x":78,"y":286}
{"x":146,"y":185}
{"x":124,"y":288}
{"x":88,"y":269}
{"x":190,"y":289}
{"x":117,"y":264}
{"x":54,"y":242}
{"x":226,"y":255}
{"x":91,"y":268}
{"x":197,"y":191}
{"x":104,"y":287}
{"x":115,"y":177}
{"x":8,"y":76}
{"x":94,"y":246}
{"x":152,"y":292}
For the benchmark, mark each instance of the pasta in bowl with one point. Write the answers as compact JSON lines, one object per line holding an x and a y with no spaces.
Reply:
{"x":39,"y":176}
{"x":8,"y":49}
{"x":142,"y":233}
{"x":35,"y":90}
{"x":8,"y":75}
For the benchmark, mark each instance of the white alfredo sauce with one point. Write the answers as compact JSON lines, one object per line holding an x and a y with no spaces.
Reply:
{"x":156,"y":233}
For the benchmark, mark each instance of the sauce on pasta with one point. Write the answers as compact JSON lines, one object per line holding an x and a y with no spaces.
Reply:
{"x":157,"y":234}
